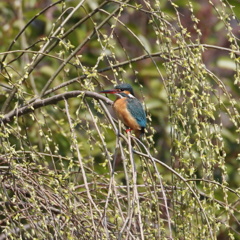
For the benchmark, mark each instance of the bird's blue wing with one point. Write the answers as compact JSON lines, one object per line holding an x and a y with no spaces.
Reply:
{"x":137,"y":111}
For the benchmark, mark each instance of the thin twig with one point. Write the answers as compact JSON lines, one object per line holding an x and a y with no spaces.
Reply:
{"x":81,"y":166}
{"x":73,"y":54}
{"x":148,"y":155}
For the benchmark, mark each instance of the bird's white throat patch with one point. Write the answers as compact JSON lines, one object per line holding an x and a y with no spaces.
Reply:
{"x":130,"y":95}
{"x":124,"y":95}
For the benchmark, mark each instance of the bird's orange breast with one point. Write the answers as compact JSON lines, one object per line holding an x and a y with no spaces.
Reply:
{"x":120,"y":107}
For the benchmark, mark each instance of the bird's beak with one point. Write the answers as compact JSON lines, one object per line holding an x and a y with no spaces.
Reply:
{"x":110,"y":91}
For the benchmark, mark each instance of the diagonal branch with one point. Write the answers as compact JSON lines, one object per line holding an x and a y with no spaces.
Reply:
{"x":40,"y":55}
{"x":78,"y":49}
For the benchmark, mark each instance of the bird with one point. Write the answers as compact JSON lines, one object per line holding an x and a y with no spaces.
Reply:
{"x":128,"y":108}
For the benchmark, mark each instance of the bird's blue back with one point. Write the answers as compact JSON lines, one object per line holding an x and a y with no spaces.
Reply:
{"x":136,"y":109}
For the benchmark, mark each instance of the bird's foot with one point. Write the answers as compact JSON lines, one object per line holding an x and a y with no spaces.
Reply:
{"x":128,"y":130}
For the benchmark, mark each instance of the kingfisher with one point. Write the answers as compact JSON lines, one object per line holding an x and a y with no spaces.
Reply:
{"x":128,"y":108}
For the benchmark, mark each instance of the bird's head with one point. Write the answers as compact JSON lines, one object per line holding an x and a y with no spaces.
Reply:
{"x":121,"y":90}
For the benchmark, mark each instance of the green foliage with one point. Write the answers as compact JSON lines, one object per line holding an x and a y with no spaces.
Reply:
{"x":69,"y":171}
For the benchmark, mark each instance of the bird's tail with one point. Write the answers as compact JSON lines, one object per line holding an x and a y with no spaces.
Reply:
{"x":139,"y":133}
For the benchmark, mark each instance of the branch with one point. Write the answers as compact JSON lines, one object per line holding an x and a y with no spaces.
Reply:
{"x":51,"y":100}
{"x":160,"y":54}
{"x":25,"y":27}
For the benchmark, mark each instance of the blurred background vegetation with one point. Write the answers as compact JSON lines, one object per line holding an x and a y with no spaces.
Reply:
{"x":182,"y":58}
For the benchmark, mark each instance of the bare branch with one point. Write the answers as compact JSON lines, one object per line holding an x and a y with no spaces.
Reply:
{"x":51,"y":100}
